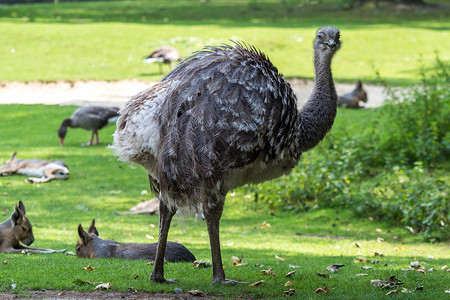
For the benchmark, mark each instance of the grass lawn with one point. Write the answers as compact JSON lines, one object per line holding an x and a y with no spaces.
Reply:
{"x":107,"y":40}
{"x":100,"y":185}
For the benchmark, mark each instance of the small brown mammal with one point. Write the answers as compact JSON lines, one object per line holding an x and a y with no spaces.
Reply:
{"x":18,"y":229}
{"x":40,"y":170}
{"x":89,"y":245}
{"x":352,"y":99}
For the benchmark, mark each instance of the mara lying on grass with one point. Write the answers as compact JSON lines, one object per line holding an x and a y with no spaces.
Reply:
{"x":40,"y":170}
{"x":91,"y":246}
{"x":17,"y":229}
{"x":352,"y":99}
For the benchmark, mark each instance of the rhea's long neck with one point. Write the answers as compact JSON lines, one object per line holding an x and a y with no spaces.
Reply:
{"x":317,"y":115}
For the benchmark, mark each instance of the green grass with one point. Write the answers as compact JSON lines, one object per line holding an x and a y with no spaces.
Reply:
{"x":107,"y":40}
{"x":100,"y":185}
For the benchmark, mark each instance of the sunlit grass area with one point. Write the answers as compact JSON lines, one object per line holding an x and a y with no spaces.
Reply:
{"x":264,"y":238}
{"x":107,"y":40}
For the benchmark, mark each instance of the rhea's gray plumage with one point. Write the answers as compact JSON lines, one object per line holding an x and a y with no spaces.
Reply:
{"x":223,"y":118}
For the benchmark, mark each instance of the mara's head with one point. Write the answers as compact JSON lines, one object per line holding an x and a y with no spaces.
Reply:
{"x":327,"y":40}
{"x":22,"y":228}
{"x":361,"y":94}
{"x":5,"y":168}
{"x":85,"y":245}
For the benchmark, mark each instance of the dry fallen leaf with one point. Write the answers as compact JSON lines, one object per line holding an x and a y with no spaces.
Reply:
{"x":257,"y":283}
{"x":269,"y":272}
{"x":152,"y":225}
{"x":415,"y":264}
{"x":406,"y":291}
{"x":399,"y":248}
{"x":202,"y":264}
{"x":444,"y":267}
{"x":362,"y":274}
{"x":321,"y":290}
{"x":103,"y":286}
{"x":5,"y":262}
{"x":289,"y":293}
{"x":237,"y":261}
{"x":376,"y":253}
{"x":447,"y":291}
{"x":334,"y":268}
{"x":378,"y":230}
{"x":323,"y":275}
{"x":392,"y":282}
{"x":70,"y":253}
{"x":149,"y":237}
{"x":360,"y":259}
{"x":136,"y":276}
{"x":197,"y":293}
{"x":89,"y":268}
{"x":280,"y":258}
{"x":421,"y":271}
{"x":264,"y":225}
{"x":380,"y":240}
{"x":289,"y":274}
{"x":288,"y":283}
{"x":357,"y":245}
{"x":366,"y":268}
{"x":392,"y":292}
{"x":61,"y":294}
{"x":151,"y":263}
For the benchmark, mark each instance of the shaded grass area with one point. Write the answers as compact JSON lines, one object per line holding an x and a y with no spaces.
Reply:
{"x":100,"y":185}
{"x":107,"y":40}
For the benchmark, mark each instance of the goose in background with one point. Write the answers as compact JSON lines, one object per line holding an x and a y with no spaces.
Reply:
{"x":163,"y":55}
{"x":91,"y":118}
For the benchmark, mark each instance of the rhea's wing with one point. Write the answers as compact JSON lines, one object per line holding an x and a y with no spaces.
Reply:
{"x":227,"y":106}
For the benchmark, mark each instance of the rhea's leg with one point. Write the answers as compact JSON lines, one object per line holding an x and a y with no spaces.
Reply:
{"x":96,"y":138}
{"x":212,"y":217}
{"x":165,"y":217}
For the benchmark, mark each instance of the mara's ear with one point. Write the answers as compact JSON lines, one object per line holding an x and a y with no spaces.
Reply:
{"x":22,"y":207}
{"x":92,"y":228}
{"x":13,"y":156}
{"x":17,"y":216}
{"x":359,"y":84}
{"x":84,"y":236}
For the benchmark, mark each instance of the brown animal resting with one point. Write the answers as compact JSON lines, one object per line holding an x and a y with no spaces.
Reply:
{"x":352,"y":99}
{"x":41,"y":170}
{"x":18,"y":229}
{"x":91,"y":246}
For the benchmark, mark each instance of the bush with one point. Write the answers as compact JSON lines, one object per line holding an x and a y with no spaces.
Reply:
{"x":381,"y":168}
{"x":415,"y":123}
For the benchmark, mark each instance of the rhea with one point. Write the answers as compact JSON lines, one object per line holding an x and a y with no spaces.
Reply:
{"x":223,"y":118}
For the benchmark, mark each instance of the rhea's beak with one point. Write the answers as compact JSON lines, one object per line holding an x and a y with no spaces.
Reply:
{"x":61,"y":141}
{"x":331,"y":44}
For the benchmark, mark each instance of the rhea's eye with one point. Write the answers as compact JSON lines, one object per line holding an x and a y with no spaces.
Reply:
{"x":320,"y":35}
{"x":338,"y":36}
{"x":24,"y":228}
{"x":78,"y":249}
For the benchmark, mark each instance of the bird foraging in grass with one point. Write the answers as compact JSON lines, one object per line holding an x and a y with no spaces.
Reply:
{"x":163,"y":55}
{"x":223,"y":118}
{"x":91,"y":118}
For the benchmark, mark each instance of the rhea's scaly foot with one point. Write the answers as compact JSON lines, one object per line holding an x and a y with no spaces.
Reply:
{"x":229,"y":282}
{"x":161,"y":280}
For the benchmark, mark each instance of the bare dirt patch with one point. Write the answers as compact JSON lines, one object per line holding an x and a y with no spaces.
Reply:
{"x":117,"y":93}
